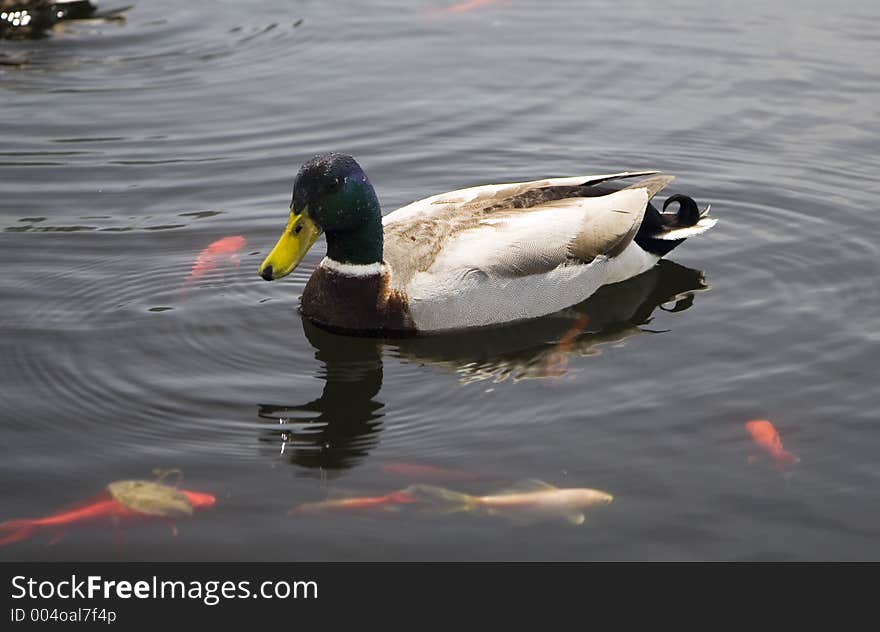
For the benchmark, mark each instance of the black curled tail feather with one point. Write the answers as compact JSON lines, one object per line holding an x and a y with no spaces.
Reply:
{"x":688,"y":212}
{"x":655,"y":223}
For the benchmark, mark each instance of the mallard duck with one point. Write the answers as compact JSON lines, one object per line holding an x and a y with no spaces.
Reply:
{"x":474,"y":257}
{"x":31,"y":18}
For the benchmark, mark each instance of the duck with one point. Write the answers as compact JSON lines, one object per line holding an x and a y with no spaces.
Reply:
{"x":32,"y":18}
{"x":475,"y":257}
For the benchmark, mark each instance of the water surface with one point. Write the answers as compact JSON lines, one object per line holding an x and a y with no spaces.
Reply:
{"x":127,"y":148}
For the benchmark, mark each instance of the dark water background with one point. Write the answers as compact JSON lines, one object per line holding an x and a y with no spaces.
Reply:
{"x":126,"y":149}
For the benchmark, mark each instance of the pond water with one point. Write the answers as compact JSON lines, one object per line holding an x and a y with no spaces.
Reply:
{"x":129,"y":147}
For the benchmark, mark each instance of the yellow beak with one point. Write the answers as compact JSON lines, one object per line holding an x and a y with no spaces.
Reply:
{"x":299,"y":235}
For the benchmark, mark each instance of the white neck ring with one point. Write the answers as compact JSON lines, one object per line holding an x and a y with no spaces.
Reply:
{"x":353,"y":269}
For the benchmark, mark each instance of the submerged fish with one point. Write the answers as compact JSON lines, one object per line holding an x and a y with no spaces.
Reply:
{"x":122,"y":501}
{"x":223,"y":250}
{"x":356,"y":503}
{"x":429,"y":472}
{"x":557,"y":361}
{"x":531,"y":499}
{"x":767,"y":438}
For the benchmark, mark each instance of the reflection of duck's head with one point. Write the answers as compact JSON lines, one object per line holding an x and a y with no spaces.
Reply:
{"x":338,"y":428}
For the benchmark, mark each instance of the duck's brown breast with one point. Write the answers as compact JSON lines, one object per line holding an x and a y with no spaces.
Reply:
{"x":361,"y":304}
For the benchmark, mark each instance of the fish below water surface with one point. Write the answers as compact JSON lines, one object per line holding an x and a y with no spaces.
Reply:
{"x":557,"y":362}
{"x":121,"y":502}
{"x":217,"y":253}
{"x":462,"y":7}
{"x":767,"y":438}
{"x":528,"y":500}
{"x":357,"y":503}
{"x":424,"y":471}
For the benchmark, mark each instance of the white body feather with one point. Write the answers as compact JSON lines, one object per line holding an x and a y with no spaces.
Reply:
{"x":446,"y":301}
{"x":516,"y":266}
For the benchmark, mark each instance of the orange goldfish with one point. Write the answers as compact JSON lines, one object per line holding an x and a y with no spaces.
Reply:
{"x":765,"y":436}
{"x":463,"y":7}
{"x":431,"y":472}
{"x":557,"y":361}
{"x":388,"y":501}
{"x":223,"y":250}
{"x":126,"y":501}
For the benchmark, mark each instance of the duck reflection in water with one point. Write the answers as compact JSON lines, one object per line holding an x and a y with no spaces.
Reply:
{"x":541,"y":348}
{"x":338,"y":429}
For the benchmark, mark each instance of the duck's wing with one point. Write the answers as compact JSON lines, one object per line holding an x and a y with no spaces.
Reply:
{"x":518,"y":229}
{"x":498,"y":195}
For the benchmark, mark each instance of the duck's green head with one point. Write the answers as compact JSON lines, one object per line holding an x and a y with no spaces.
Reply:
{"x":332,"y":195}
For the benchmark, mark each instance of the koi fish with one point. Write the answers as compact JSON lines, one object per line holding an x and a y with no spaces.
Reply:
{"x":357,"y":503}
{"x":528,"y":499}
{"x":430,"y":472}
{"x":765,"y":436}
{"x":223,"y":250}
{"x":573,"y":332}
{"x":557,"y":361}
{"x":463,"y":7}
{"x":122,"y":501}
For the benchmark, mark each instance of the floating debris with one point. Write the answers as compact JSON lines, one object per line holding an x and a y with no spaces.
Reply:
{"x":151,"y":499}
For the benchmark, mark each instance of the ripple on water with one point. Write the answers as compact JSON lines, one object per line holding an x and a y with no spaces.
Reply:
{"x":82,"y":334}
{"x":131,"y":148}
{"x":155,"y":51}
